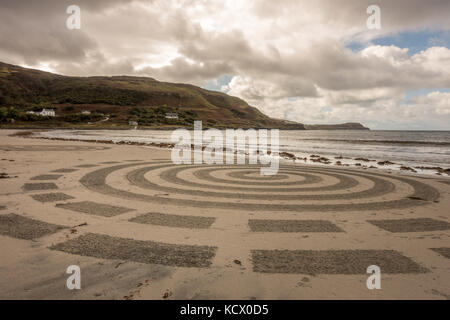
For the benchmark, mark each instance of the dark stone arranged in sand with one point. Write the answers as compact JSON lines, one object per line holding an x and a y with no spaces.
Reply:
{"x":47,"y":177}
{"x":332,"y":261}
{"x":51,"y":197}
{"x":268,"y":225}
{"x":107,"y":247}
{"x":65,"y":170}
{"x":110,"y":162}
{"x":172,"y":220}
{"x":442,"y":251}
{"x":87,"y":166}
{"x":39,"y":186}
{"x":94,"y":208}
{"x":16,"y":226}
{"x":2,"y":207}
{"x":411,"y":225}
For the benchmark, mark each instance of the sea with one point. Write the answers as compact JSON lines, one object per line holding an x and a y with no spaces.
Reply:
{"x":404,"y":148}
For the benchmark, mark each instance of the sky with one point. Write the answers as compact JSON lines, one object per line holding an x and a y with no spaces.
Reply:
{"x":314,"y":62}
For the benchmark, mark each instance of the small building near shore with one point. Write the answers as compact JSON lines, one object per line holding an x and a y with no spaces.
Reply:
{"x":87,"y":112}
{"x":171,"y":115}
{"x":48,"y":112}
{"x":44,"y":113}
{"x":132,"y":123}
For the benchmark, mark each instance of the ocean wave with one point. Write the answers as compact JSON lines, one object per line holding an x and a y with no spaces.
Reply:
{"x":394,"y":142}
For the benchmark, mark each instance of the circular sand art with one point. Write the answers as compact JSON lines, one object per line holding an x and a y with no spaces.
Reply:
{"x":294,"y":188}
{"x":183,"y":215}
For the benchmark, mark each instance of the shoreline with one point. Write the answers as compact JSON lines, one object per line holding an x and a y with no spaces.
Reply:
{"x":312,"y":159}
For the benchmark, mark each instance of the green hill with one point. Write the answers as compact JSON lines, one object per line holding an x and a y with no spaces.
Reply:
{"x":343,"y":126}
{"x":114,"y":101}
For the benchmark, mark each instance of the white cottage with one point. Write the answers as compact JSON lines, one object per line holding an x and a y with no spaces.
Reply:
{"x":44,"y":113}
{"x":170,"y":115}
{"x":48,"y":112}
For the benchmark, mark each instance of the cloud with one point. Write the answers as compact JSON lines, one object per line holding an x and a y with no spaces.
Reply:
{"x":288,"y":57}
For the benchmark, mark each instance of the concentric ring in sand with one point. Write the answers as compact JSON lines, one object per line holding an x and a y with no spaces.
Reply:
{"x":380,"y":187}
{"x":204,"y":174}
{"x":96,"y":181}
{"x":172,"y":175}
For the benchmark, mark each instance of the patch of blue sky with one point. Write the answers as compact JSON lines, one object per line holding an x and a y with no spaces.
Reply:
{"x":415,"y":41}
{"x":217,"y":84}
{"x":423,"y":92}
{"x":411,"y":94}
{"x":355,"y":46}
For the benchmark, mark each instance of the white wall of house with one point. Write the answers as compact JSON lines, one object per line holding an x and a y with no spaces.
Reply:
{"x":171,"y":116}
{"x":44,"y":113}
{"x":48,"y":112}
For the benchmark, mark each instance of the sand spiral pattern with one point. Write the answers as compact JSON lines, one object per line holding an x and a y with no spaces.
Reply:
{"x":295,"y":188}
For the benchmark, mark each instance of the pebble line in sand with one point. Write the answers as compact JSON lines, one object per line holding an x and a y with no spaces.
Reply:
{"x":107,"y":247}
{"x":411,"y":225}
{"x":94,"y":208}
{"x":332,"y":261}
{"x":39,"y":186}
{"x":65,"y":170}
{"x":442,"y":251}
{"x":51,"y":197}
{"x":16,"y":226}
{"x":269,"y":225}
{"x":173,"y":220}
{"x":47,"y":177}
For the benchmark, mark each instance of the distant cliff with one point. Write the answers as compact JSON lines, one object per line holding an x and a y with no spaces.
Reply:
{"x":343,"y":126}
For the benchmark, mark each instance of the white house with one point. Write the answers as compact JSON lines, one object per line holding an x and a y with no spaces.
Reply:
{"x":48,"y":112}
{"x":170,"y":115}
{"x":132,"y":123}
{"x":87,"y":112}
{"x":44,"y":113}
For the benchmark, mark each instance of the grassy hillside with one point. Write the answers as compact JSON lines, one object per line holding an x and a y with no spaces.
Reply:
{"x":114,"y":101}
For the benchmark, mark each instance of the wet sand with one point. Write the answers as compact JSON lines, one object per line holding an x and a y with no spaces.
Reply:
{"x":139,"y":226}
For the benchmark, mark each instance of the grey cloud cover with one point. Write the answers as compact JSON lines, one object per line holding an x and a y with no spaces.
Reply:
{"x":286,"y":56}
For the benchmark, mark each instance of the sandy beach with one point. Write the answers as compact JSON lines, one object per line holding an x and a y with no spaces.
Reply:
{"x":141,"y":227}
